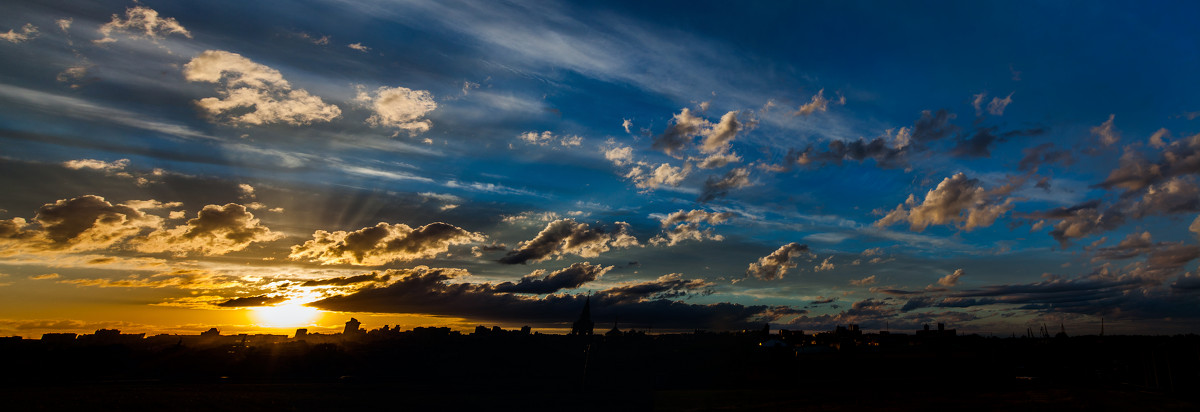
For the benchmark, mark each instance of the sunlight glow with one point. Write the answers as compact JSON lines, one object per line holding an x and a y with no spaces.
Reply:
{"x":285,"y":316}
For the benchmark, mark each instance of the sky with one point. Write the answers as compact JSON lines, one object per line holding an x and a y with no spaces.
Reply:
{"x":168,"y":167}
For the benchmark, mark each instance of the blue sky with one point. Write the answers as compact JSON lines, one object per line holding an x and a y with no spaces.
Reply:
{"x":992,"y":165}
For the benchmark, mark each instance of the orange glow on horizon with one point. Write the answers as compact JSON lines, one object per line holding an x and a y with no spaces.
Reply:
{"x":285,"y":316}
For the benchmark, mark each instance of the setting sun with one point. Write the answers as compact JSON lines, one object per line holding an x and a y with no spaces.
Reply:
{"x":289,"y":315}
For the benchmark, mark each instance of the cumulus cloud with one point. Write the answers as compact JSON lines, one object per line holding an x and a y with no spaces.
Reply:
{"x":382,"y":244}
{"x":253,"y":94}
{"x":626,"y":123}
{"x":776,"y":264}
{"x":1177,"y":195}
{"x":664,"y":174}
{"x":1179,"y":158}
{"x":399,"y":107}
{"x":540,"y":283}
{"x":141,"y":21}
{"x":827,"y":264}
{"x":715,"y":187}
{"x":566,"y":236}
{"x":951,"y":279}
{"x":216,"y":230}
{"x":28,"y":32}
{"x":1105,"y":132}
{"x":680,"y":226}
{"x":251,"y":301}
{"x":348,"y":280}
{"x":359,"y":47}
{"x":78,"y":224}
{"x":1081,"y":220}
{"x":685,"y":126}
{"x":956,"y":200}
{"x":619,"y":155}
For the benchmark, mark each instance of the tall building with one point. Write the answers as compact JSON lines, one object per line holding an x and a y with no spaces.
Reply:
{"x":584,"y":325}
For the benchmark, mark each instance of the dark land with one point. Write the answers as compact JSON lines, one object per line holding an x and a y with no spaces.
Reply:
{"x":494,"y":369}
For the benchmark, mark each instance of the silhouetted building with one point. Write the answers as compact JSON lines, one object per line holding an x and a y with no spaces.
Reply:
{"x":301,"y":333}
{"x":352,"y":327}
{"x":940,"y":332}
{"x":58,"y":338}
{"x":584,"y":325}
{"x":211,"y":332}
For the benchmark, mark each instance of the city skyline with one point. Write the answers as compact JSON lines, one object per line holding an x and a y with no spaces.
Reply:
{"x":171,"y":168}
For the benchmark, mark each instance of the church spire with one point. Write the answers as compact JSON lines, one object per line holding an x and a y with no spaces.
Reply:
{"x":584,"y":325}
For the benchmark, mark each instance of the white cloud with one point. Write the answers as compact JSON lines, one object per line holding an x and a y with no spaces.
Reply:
{"x":141,"y":21}
{"x":1106,"y":133}
{"x":399,"y":107}
{"x":28,"y":32}
{"x":359,"y":47}
{"x":95,"y":164}
{"x":996,"y":107}
{"x":253,"y":94}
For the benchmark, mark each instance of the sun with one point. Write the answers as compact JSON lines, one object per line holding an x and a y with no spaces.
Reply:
{"x":285,"y":316}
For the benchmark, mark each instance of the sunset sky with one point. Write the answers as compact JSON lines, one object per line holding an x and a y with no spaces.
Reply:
{"x":168,"y":167}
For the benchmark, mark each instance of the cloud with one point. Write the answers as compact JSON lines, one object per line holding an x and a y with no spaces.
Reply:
{"x":94,"y":164}
{"x":141,"y":21}
{"x":869,"y":280}
{"x":571,"y":277}
{"x":776,"y":264}
{"x":715,"y":187}
{"x":685,"y":126}
{"x":619,"y":155}
{"x":348,"y":280}
{"x":977,"y":102}
{"x":1179,"y":158}
{"x":359,"y":47}
{"x":827,"y":264}
{"x":664,"y":174}
{"x":399,"y":107}
{"x":79,"y":224}
{"x":1080,"y":220}
{"x":424,"y":290}
{"x":1177,"y":195}
{"x":253,"y":94}
{"x":686,"y":226}
{"x":951,"y":279}
{"x":956,"y":200}
{"x":626,"y":123}
{"x":566,"y":236}
{"x":1106,"y":133}
{"x":818,"y":104}
{"x":717,"y":139}
{"x":546,"y":138}
{"x":717,"y":160}
{"x":1043,"y":154}
{"x":933,"y":126}
{"x":28,"y":32}
{"x":251,"y":301}
{"x":382,"y":244}
{"x":45,"y":276}
{"x":997,"y":106}
{"x":187,"y":279}
{"x":216,"y":230}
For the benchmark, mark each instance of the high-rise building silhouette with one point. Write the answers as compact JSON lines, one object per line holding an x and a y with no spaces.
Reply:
{"x":584,"y":325}
{"x":352,"y":327}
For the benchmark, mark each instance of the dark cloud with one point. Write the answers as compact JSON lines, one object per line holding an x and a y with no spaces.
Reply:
{"x":539,"y":283}
{"x":382,"y":244}
{"x":933,"y":126}
{"x":679,"y":134}
{"x":566,"y":236}
{"x":879,"y":149}
{"x":429,"y":291}
{"x":347,"y":280}
{"x":1080,"y":220}
{"x":1179,"y":158}
{"x":251,"y":301}
{"x":83,"y":223}
{"x":665,"y":287}
{"x":1043,"y":154}
{"x":715,"y":187}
